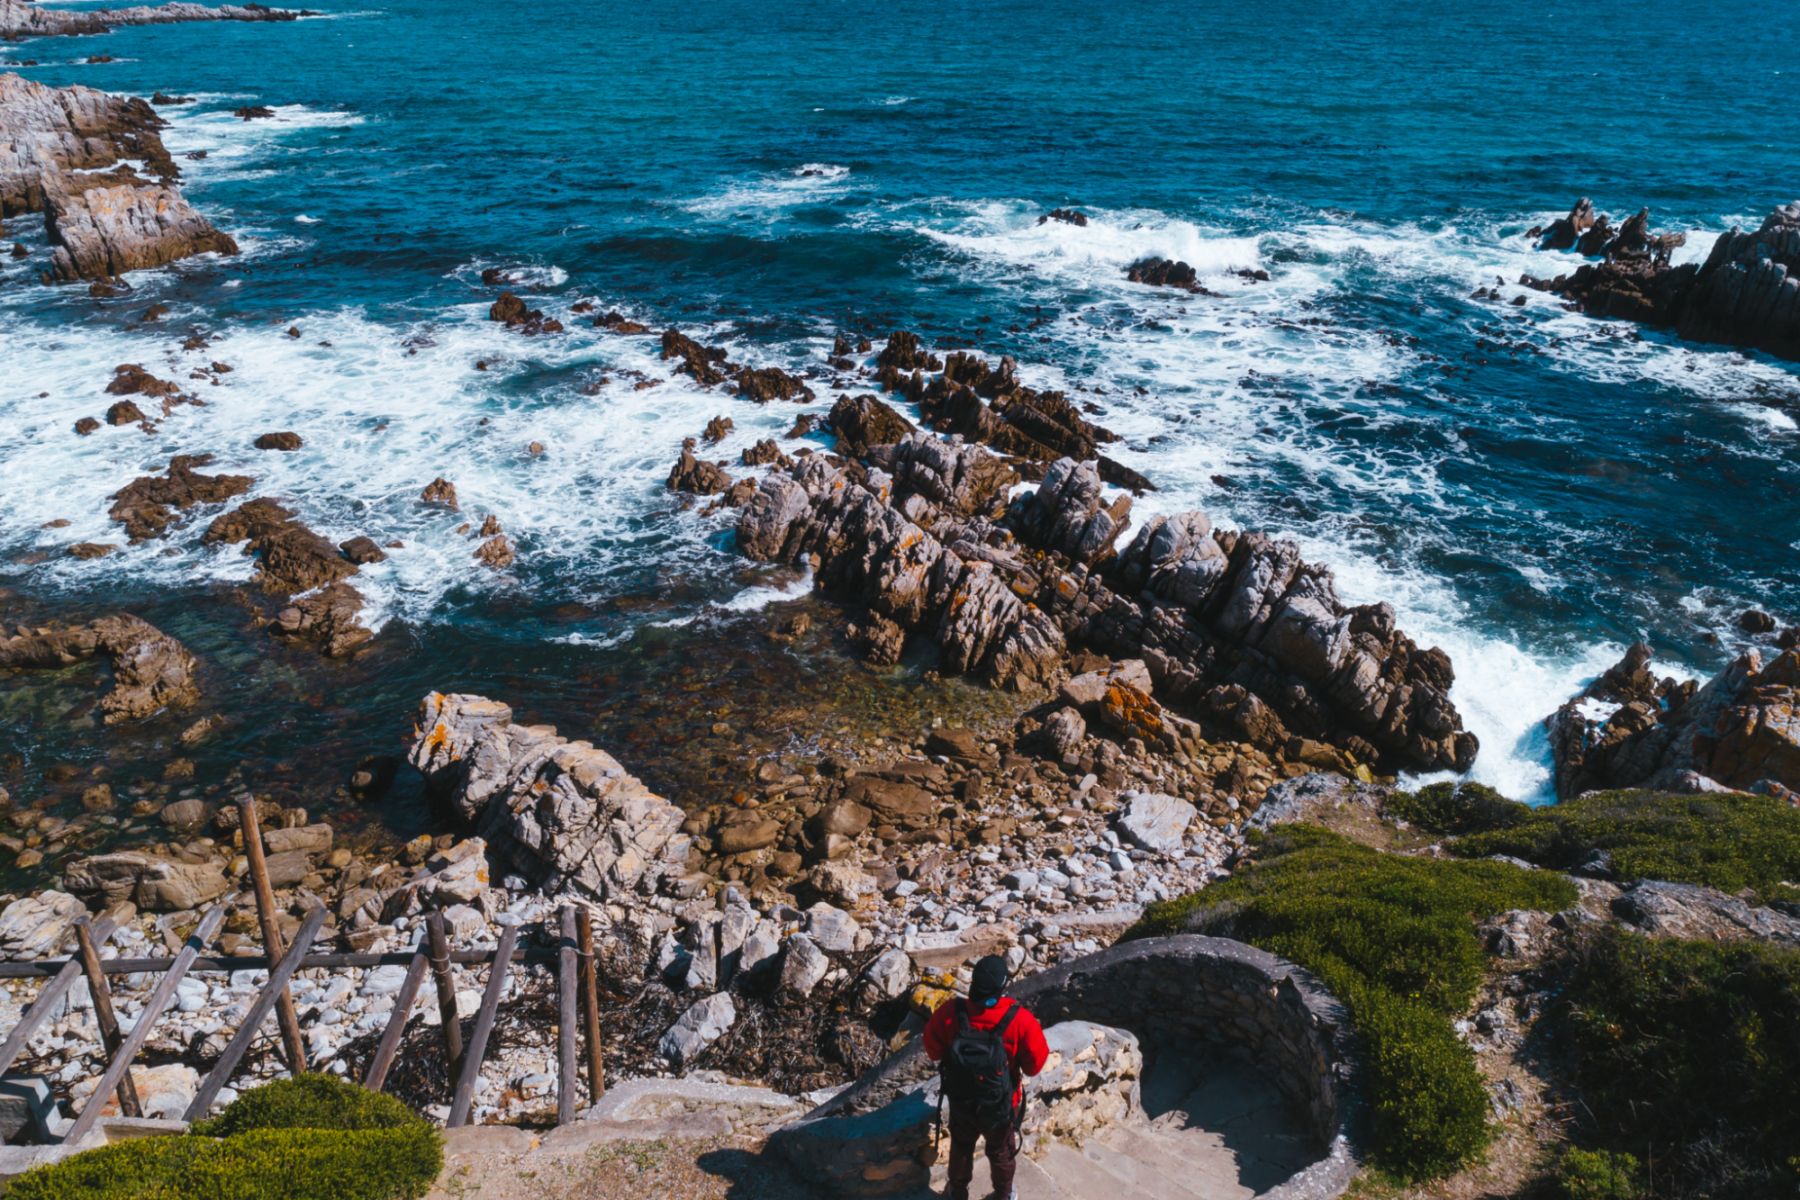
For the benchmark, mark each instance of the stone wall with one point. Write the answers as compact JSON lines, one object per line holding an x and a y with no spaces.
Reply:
{"x":1176,"y":991}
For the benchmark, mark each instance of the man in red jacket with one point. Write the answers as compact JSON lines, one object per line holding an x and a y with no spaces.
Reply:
{"x":985,"y":1046}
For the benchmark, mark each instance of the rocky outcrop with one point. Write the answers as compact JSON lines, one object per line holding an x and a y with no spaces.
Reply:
{"x":56,"y":148}
{"x":561,"y":813}
{"x":863,"y":422}
{"x":1234,"y":625}
{"x":1740,"y":732}
{"x":293,"y":561}
{"x":988,"y":404}
{"x":150,"y":504}
{"x":1746,"y":293}
{"x":691,"y":473}
{"x":1694,"y":913}
{"x":151,"y":670}
{"x":23,"y":19}
{"x":1163,"y":272}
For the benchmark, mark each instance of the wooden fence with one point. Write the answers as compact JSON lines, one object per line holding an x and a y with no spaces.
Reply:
{"x":576,"y":981}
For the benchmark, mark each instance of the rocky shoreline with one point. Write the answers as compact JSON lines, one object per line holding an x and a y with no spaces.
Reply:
{"x":22,"y":19}
{"x":69,"y":154}
{"x":1172,"y":686}
{"x":1746,"y":292}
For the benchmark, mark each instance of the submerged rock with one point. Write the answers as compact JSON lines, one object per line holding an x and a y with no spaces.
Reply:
{"x":151,"y":670}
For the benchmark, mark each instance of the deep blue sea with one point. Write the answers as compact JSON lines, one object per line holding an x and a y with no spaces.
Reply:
{"x":1532,"y":489}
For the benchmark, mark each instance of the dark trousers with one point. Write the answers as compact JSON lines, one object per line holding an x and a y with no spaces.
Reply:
{"x":1001,"y":1149}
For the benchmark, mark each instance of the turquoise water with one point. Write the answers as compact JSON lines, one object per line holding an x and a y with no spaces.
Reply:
{"x":1530,"y":488}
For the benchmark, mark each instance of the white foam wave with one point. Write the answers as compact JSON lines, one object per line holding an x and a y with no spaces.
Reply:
{"x":1098,"y":252}
{"x":767,"y":195}
{"x":378,"y":422}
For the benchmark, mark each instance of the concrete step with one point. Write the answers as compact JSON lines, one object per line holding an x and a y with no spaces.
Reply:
{"x":1031,"y":1180}
{"x":1098,"y":1172}
{"x":1191,"y":1160}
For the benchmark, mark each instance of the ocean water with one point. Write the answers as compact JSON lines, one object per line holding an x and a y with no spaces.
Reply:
{"x":1531,"y":489}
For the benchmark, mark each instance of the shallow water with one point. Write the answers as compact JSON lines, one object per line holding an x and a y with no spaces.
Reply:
{"x":1531,"y":489}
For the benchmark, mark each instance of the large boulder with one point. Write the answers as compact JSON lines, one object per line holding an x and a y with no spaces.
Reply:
{"x":153,"y":883}
{"x":563,"y":814}
{"x":36,"y":926}
{"x":1156,"y":822}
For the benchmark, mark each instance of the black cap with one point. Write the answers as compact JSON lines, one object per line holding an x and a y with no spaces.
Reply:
{"x":989,"y":978}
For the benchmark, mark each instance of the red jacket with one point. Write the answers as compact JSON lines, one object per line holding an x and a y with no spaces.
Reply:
{"x":1024,"y":1037}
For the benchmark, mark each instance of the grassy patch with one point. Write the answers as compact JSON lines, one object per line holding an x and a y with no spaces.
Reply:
{"x":1730,"y":842}
{"x":1456,"y":809}
{"x":363,"y":1147}
{"x":1688,"y":1059}
{"x":1394,"y":938}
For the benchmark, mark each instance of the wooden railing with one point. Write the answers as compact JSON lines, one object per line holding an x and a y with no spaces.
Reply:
{"x":576,"y":979}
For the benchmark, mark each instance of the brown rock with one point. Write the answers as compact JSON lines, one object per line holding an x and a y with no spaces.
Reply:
{"x":87,"y":425}
{"x":290,"y":557}
{"x":362,"y":550}
{"x":696,"y":475}
{"x":440,"y":491}
{"x":124,"y":412}
{"x":151,"y":670}
{"x":148,"y":505}
{"x":496,"y":553}
{"x":279,"y":441}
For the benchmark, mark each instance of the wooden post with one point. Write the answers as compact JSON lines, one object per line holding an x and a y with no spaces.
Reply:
{"x":246,"y":1033}
{"x":568,"y":1066}
{"x":60,"y":982}
{"x":590,"y":1003}
{"x":110,"y":1037}
{"x":404,"y":1000}
{"x":484,"y":1025}
{"x":134,"y":1041}
{"x":249,"y":826}
{"x":439,"y":942}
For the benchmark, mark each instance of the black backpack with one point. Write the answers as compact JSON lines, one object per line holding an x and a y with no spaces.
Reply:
{"x":976,"y":1071}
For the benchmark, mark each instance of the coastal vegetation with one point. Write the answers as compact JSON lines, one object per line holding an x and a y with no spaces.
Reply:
{"x":312,"y":1137}
{"x":1394,"y":938}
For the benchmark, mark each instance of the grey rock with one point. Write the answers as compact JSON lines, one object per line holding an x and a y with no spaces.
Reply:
{"x":832,"y":929}
{"x":890,"y":974}
{"x":803,"y":966}
{"x":1156,"y":822}
{"x":563,"y":814}
{"x":36,"y":926}
{"x":699,"y":1027}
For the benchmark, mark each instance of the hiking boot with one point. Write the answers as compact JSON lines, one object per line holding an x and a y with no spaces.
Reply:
{"x":1012,"y":1193}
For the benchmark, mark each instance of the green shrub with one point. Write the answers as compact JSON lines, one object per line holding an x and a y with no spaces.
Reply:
{"x":1394,"y":938}
{"x":1729,"y":842}
{"x":262,"y":1164}
{"x":1454,"y":809}
{"x":1597,"y":1175}
{"x":1688,"y":1054}
{"x":310,"y":1101}
{"x":309,"y":1138}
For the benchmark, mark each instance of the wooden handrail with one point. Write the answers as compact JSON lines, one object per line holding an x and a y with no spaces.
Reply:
{"x":272,"y":991}
{"x":140,"y":1032}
